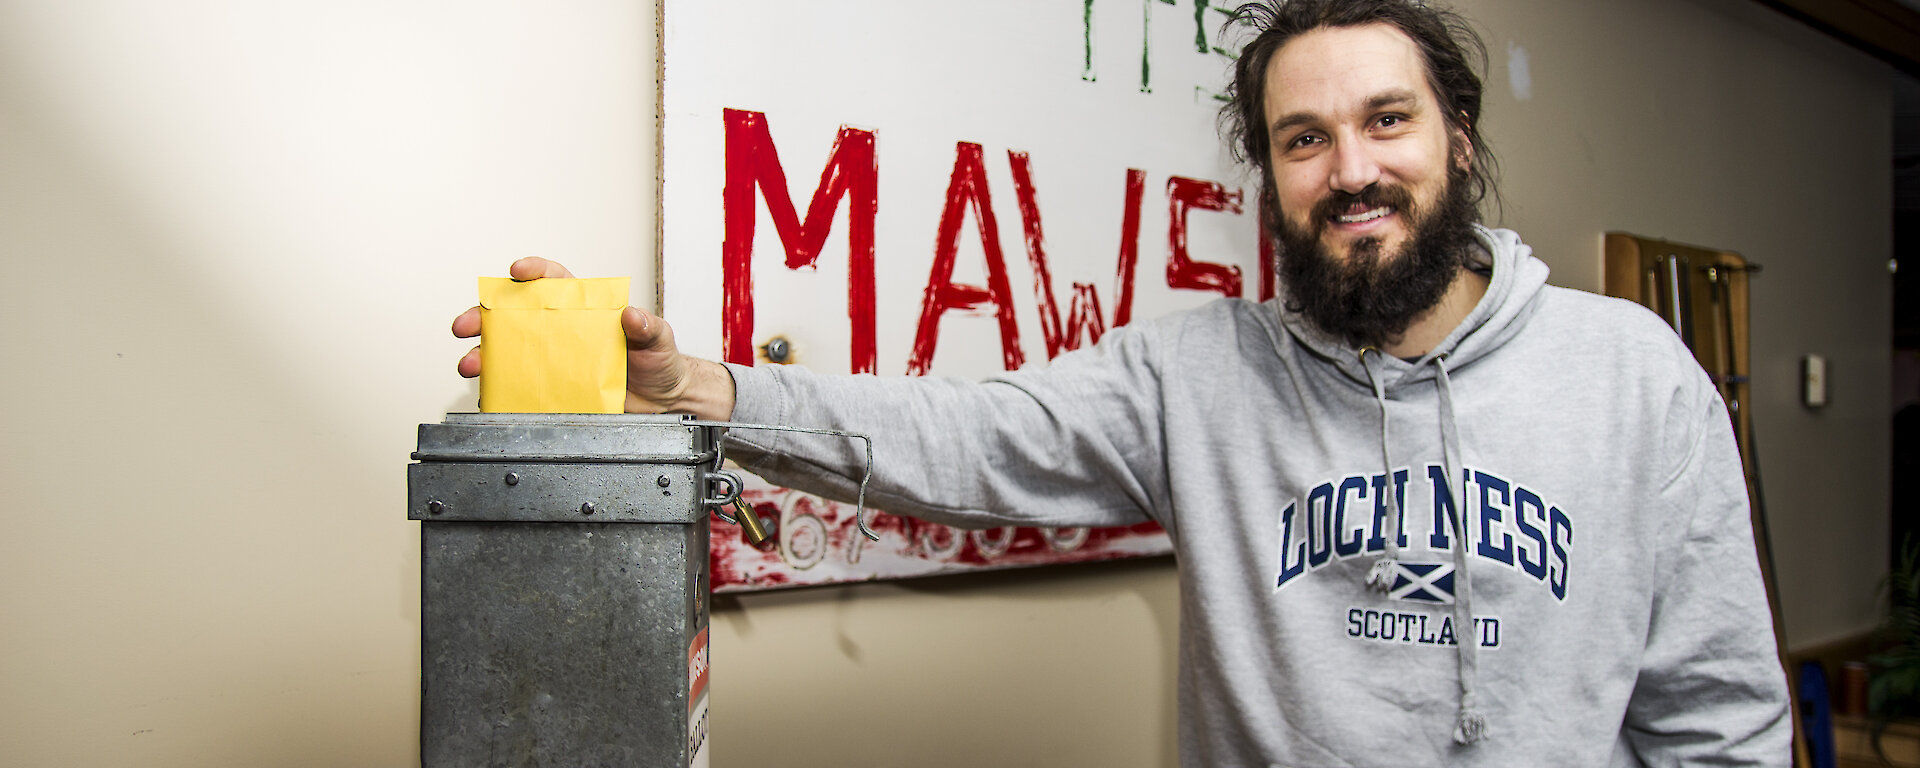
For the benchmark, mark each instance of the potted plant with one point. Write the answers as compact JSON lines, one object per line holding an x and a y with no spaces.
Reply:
{"x":1894,"y":692}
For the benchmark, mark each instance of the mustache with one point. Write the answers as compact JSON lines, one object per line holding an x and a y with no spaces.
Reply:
{"x":1374,"y":196}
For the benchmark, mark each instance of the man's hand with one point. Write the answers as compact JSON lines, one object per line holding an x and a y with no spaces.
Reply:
{"x":659,"y":378}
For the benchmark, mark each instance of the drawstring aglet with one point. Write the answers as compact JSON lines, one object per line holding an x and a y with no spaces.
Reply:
{"x":1471,"y":728}
{"x":1380,"y":577}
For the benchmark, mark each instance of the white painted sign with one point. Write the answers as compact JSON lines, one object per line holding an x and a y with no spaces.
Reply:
{"x":940,"y":188}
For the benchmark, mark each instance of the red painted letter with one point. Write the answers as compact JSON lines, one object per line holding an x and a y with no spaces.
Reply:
{"x":1129,"y":244}
{"x":967,"y":186}
{"x":1083,"y":314}
{"x":752,"y":162}
{"x":1183,"y":272}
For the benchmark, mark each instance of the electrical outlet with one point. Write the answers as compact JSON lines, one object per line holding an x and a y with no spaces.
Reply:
{"x":1813,"y":384}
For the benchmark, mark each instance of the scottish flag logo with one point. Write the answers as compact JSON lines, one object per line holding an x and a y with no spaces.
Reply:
{"x":1422,"y":583}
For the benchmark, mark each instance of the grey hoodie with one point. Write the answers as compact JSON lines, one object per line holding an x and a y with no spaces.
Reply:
{"x":1606,"y":608}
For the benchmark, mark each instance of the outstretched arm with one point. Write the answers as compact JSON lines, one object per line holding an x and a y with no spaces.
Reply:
{"x":1076,"y":445}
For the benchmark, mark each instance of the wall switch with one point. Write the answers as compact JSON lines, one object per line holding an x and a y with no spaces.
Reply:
{"x":1813,"y":385}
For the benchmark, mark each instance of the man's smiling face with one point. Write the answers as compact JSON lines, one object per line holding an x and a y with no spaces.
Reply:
{"x":1375,"y":216}
{"x":1360,"y":145}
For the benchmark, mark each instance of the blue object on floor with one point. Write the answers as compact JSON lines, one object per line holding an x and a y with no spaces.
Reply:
{"x":1816,"y":714}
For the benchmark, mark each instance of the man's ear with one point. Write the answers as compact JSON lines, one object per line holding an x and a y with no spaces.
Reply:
{"x":1462,"y":147}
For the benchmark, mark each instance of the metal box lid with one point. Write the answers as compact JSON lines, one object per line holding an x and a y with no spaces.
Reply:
{"x":625,"y":438}
{"x":558,"y":467}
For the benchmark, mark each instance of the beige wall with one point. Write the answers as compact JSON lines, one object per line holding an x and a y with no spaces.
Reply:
{"x":235,"y":232}
{"x":1720,"y":123}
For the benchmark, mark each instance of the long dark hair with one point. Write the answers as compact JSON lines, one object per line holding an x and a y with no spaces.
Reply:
{"x":1447,"y":44}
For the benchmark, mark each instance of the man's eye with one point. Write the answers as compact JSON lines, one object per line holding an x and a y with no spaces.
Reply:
{"x":1303,"y":141}
{"x":1389,"y":121}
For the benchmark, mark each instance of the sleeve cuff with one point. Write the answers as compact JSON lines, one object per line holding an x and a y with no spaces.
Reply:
{"x":758,"y":398}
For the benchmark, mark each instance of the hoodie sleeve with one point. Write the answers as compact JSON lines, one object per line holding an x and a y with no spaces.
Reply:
{"x":1078,"y":443}
{"x":1711,"y":690}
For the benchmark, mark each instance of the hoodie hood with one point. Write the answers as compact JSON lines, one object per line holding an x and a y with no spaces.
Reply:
{"x":1516,"y":282}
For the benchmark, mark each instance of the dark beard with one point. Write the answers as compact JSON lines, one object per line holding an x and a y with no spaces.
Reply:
{"x":1371,"y":298}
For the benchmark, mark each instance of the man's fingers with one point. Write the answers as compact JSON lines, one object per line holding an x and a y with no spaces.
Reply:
{"x":534,"y":268}
{"x":469,"y":365}
{"x":467,"y":325}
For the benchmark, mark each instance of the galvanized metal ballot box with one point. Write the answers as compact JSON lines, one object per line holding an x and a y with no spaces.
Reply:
{"x":563,"y":588}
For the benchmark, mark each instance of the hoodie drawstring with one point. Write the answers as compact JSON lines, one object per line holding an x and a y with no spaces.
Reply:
{"x":1471,"y":725}
{"x":1380,"y":577}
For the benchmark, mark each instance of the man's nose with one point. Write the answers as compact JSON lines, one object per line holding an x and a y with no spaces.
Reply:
{"x":1354,"y":168}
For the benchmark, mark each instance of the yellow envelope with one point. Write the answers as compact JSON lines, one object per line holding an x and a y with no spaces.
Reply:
{"x":552,"y":345}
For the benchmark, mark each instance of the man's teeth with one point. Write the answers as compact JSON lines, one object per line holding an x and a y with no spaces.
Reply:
{"x":1356,"y":218}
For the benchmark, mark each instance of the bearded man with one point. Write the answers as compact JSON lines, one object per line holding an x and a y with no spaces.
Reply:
{"x":1427,"y":510}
